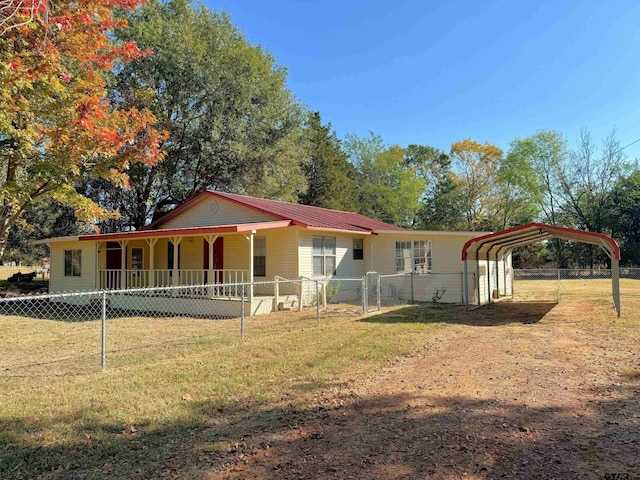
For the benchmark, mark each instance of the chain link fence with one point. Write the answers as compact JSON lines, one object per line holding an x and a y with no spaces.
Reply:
{"x":82,"y":331}
{"x":555,"y":284}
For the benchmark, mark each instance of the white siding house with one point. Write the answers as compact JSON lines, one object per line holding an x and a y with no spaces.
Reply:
{"x":222,"y":238}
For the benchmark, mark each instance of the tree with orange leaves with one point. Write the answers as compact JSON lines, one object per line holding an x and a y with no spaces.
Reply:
{"x":56,"y":124}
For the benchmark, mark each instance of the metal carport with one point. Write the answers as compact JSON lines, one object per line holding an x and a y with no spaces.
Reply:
{"x":495,"y":246}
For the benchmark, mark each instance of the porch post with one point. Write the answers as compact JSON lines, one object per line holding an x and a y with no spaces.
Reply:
{"x":123,"y":263}
{"x":251,"y":270}
{"x":211,"y":279}
{"x":176,"y":245}
{"x":152,"y":261}
{"x":98,"y":279}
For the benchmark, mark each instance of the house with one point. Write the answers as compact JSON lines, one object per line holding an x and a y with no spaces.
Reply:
{"x":223,"y":239}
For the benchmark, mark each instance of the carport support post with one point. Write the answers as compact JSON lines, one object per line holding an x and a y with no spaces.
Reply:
{"x":465,"y":282}
{"x":615,"y":278}
{"x":478,"y":277}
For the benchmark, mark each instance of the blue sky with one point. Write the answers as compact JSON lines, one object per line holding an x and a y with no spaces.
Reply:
{"x":435,"y":72}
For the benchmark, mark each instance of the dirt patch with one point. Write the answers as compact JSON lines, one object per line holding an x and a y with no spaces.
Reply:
{"x":511,"y":391}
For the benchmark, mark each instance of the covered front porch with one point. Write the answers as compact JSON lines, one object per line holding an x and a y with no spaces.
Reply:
{"x":222,"y":263}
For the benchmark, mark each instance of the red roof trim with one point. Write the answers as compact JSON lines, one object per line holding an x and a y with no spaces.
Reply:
{"x":345,"y":230}
{"x":242,"y":227}
{"x":548,"y":228}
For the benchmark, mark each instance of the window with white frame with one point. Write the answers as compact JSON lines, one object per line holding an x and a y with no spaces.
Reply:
{"x":413,"y":256}
{"x":358,"y":249}
{"x":72,"y":263}
{"x":259,"y":256}
{"x":324,"y":256}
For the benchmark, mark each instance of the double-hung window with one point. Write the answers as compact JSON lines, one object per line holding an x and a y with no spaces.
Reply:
{"x":324,"y":256}
{"x":259,"y":256}
{"x":72,"y":263}
{"x":413,"y":256}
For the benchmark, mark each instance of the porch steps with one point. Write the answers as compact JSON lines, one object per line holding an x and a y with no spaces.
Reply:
{"x":287,"y":303}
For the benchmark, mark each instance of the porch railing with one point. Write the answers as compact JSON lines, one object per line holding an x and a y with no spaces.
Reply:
{"x":224,"y":281}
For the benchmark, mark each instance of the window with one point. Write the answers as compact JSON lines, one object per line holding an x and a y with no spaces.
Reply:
{"x":72,"y":263}
{"x":358,"y":249}
{"x":136,"y":259}
{"x":260,"y":256}
{"x":422,"y":256}
{"x":413,"y":256}
{"x":324,"y":256}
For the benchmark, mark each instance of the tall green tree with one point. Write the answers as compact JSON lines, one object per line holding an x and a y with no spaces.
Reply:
{"x":476,"y":166}
{"x":535,"y":163}
{"x":327,"y":169}
{"x":233,"y":123}
{"x":624,"y":220}
{"x":440,"y":208}
{"x":387,"y":187}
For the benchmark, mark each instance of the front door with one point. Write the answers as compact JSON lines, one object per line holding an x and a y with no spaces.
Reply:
{"x":218,"y":258}
{"x":114,"y":263}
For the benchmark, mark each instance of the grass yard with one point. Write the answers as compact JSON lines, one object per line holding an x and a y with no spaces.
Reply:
{"x":594,"y":290}
{"x":168,"y":381}
{"x":410,"y":392}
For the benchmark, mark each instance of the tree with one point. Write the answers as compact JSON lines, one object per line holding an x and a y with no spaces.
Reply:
{"x":440,"y":207}
{"x":328,"y":172}
{"x":624,"y":220}
{"x":537,"y":160}
{"x":387,"y":188}
{"x":233,"y":123}
{"x":477,"y":168}
{"x":587,"y":180}
{"x":56,"y":125}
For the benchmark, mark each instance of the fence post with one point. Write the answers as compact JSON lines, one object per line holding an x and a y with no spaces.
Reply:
{"x":318,"y":302}
{"x":242,"y":313}
{"x":412,"y":300}
{"x":378,"y":292}
{"x":103,"y":318}
{"x":364,"y":295}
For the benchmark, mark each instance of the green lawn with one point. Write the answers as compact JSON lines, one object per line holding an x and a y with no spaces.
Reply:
{"x":171,"y":380}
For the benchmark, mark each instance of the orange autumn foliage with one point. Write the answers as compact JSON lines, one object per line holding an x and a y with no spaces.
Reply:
{"x":57,"y":126}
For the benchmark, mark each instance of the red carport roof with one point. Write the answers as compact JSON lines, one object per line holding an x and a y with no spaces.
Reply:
{"x":499,"y":242}
{"x":304,"y":215}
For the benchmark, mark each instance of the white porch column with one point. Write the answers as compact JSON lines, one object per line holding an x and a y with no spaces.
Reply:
{"x":210,"y":278}
{"x":250,"y":238}
{"x":123,"y":263}
{"x":152,"y":261}
{"x":176,"y":245}
{"x":98,"y":274}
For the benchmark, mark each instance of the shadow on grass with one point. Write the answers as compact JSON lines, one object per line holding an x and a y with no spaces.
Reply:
{"x":386,"y":436}
{"x":496,"y":314}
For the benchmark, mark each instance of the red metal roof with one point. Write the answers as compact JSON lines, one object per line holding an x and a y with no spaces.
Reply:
{"x":496,"y":243}
{"x":176,"y":232}
{"x":303,"y":215}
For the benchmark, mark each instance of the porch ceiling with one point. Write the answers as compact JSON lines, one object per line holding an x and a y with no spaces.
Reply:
{"x":186,"y":232}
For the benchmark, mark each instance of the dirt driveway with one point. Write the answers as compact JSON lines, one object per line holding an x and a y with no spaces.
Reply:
{"x":550,"y":395}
